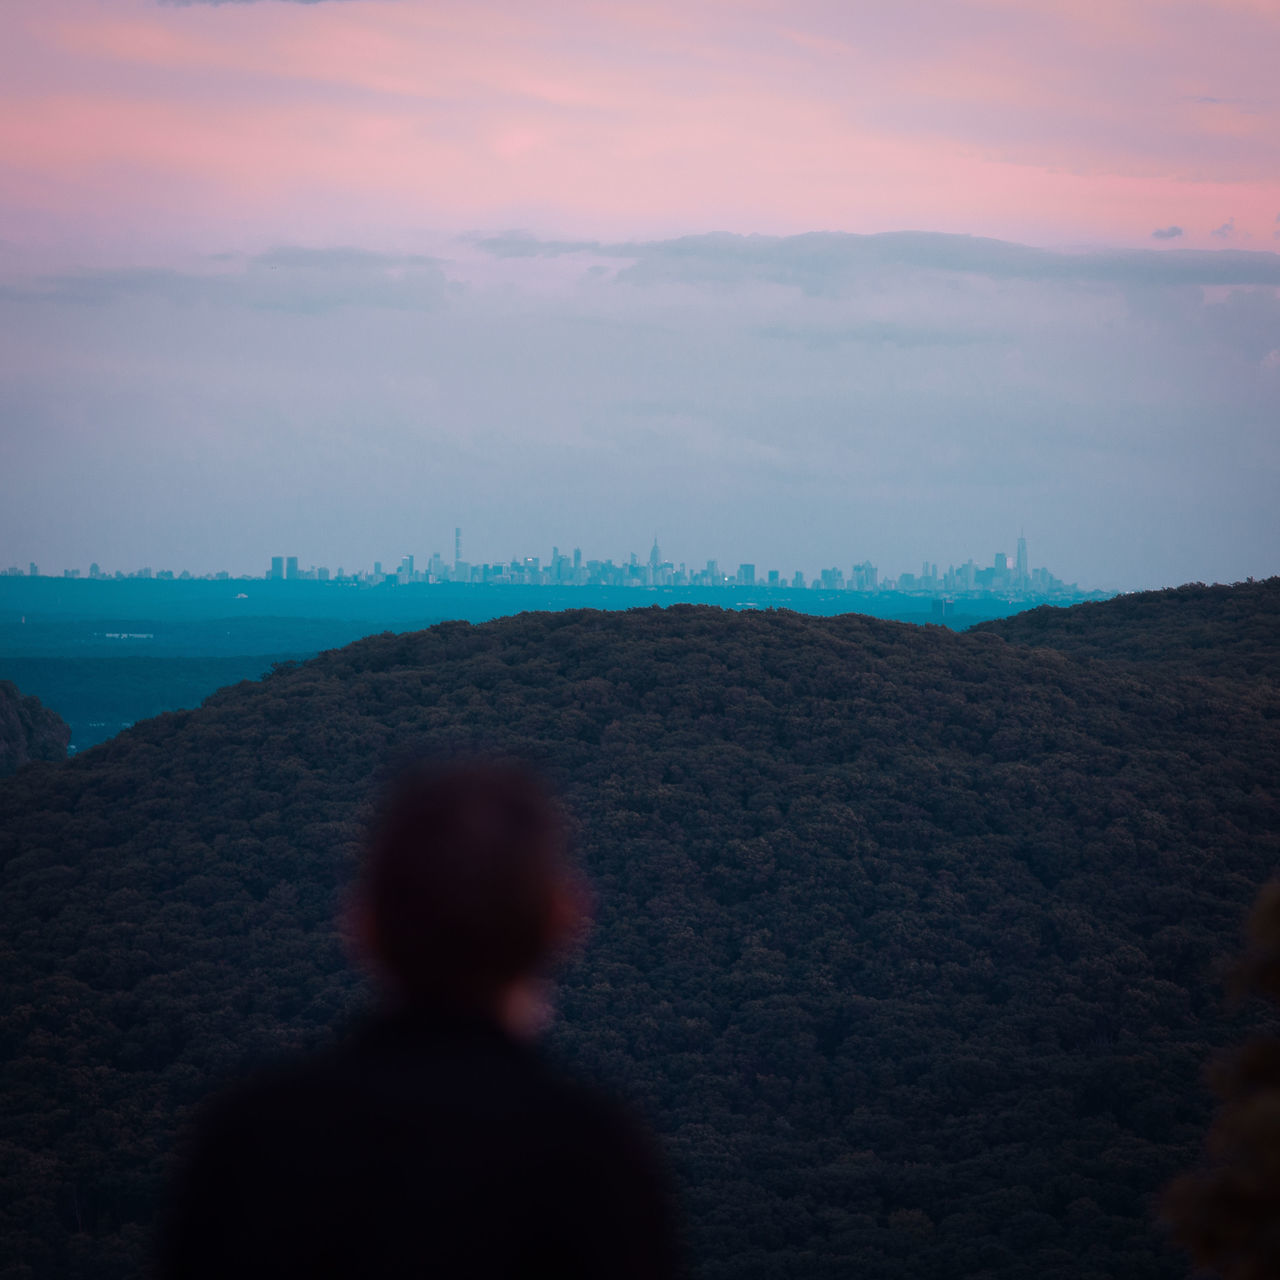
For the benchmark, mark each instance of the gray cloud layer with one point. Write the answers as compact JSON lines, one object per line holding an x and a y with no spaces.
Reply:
{"x":794,"y":401}
{"x":821,"y":262}
{"x":286,"y":279}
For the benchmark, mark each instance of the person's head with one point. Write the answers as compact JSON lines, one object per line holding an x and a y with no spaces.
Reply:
{"x":466,"y":888}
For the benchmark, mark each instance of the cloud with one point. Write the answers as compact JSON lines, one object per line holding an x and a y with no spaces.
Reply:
{"x":340,"y":258}
{"x":817,"y":337}
{"x":92,"y":287}
{"x":186,"y":4}
{"x":1227,"y":231}
{"x":282,"y":279}
{"x":520,"y":244}
{"x":820,"y":265}
{"x":836,"y":263}
{"x":1166,"y":233}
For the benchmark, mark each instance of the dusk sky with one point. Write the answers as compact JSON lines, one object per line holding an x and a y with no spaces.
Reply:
{"x":795,"y":283}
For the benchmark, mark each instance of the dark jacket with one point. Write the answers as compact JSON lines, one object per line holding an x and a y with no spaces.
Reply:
{"x":429,"y":1144}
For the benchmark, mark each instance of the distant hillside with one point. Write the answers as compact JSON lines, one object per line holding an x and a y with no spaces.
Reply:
{"x":1213,"y":631}
{"x":105,"y":654}
{"x":28,"y":730}
{"x":99,"y":696}
{"x":907,"y":938}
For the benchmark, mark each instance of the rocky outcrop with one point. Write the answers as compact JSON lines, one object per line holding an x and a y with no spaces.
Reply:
{"x":28,"y":730}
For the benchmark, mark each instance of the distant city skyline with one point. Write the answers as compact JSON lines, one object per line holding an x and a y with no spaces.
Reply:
{"x":572,"y":568}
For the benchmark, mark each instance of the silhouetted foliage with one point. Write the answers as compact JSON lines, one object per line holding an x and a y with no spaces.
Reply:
{"x":1227,"y":1214}
{"x":1210,"y":631}
{"x":906,"y":937}
{"x":28,"y":730}
{"x":98,"y":696}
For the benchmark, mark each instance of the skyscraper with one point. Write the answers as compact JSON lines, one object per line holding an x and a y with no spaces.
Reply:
{"x":277,"y":569}
{"x":1023,"y":570}
{"x":457,"y":547}
{"x":291,"y":568}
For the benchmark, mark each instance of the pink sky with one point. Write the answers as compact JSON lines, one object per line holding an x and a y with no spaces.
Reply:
{"x":136,"y":125}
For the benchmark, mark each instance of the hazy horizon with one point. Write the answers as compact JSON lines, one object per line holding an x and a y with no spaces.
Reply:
{"x":794,"y":285}
{"x":795,"y":402}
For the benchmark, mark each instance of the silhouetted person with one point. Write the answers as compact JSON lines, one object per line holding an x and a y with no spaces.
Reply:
{"x":434,"y":1142}
{"x":1226,"y":1214}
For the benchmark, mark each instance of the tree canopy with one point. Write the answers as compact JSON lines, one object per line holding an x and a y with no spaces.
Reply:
{"x":906,"y":939}
{"x":28,"y":730}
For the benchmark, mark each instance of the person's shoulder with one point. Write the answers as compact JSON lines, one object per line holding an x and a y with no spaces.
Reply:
{"x":599,"y":1112}
{"x":599,"y":1123}
{"x":267,"y":1097}
{"x":609,"y":1166}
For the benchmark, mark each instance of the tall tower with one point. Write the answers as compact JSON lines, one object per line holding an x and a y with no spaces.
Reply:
{"x":1023,"y":569}
{"x":655,"y":556}
{"x":457,"y":547}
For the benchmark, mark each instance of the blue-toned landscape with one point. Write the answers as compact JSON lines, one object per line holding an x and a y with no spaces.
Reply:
{"x":910,"y":941}
{"x":639,"y":640}
{"x":103,"y":654}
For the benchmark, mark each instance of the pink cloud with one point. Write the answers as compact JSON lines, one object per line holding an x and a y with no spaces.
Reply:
{"x":1048,"y":122}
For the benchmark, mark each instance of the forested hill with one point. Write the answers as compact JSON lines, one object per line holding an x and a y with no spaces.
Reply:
{"x":909,"y":940}
{"x":1212,"y":631}
{"x":28,"y":730}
